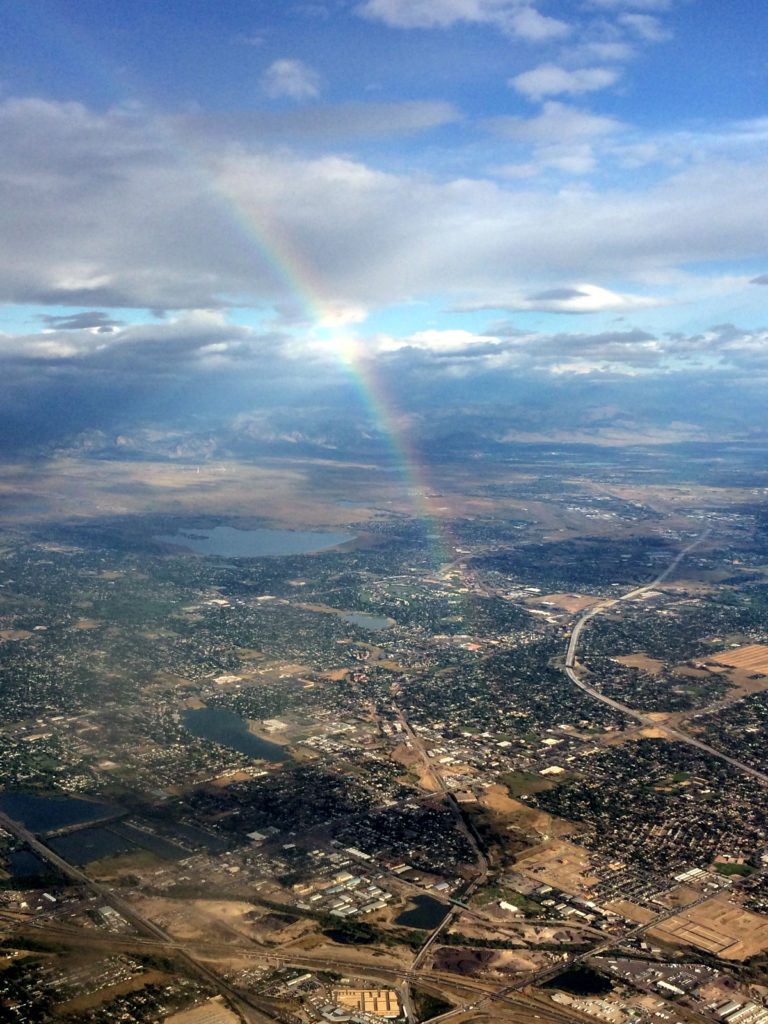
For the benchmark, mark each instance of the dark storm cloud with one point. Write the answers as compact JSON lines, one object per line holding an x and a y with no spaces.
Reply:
{"x":81,"y":321}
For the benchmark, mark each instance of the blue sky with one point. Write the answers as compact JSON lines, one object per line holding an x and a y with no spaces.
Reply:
{"x":457,"y":187}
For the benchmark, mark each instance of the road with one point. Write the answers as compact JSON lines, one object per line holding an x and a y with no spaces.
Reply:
{"x":471,"y":836}
{"x":251,"y":1014}
{"x":466,"y":829}
{"x":611,"y":942}
{"x":570,"y":669}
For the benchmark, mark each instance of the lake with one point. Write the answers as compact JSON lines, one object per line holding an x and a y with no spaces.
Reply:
{"x":229,"y":542}
{"x":46,"y":813}
{"x":426,"y":913}
{"x":231,"y":731}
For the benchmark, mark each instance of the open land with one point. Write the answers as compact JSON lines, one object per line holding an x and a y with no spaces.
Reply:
{"x":420,"y":800}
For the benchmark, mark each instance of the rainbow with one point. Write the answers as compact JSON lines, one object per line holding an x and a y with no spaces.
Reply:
{"x":359,"y":370}
{"x":287,"y":270}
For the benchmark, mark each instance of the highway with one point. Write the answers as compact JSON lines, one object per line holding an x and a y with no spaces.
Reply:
{"x":570,"y":669}
{"x":466,"y":829}
{"x":251,"y":1014}
{"x":611,"y":942}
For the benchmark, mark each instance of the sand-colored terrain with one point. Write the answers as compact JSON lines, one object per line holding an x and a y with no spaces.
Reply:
{"x":650,"y":665}
{"x":632,"y":911}
{"x":214,"y":1011}
{"x":222,"y":921}
{"x":717,"y":926}
{"x":565,"y":602}
{"x":560,"y":864}
{"x":753,"y":658}
{"x":488,"y":963}
{"x":511,"y":813}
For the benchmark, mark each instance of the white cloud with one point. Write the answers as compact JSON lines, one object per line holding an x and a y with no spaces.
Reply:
{"x":425,"y":13}
{"x":530,"y":24}
{"x":576,"y":298}
{"x":517,"y":18}
{"x":292,"y":79}
{"x":552,"y":80}
{"x":440,"y":341}
{"x":646,"y":26}
{"x":636,"y":5}
{"x":611,"y":50}
{"x":99,"y":210}
{"x":556,"y":124}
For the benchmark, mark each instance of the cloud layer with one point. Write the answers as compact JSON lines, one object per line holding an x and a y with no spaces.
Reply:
{"x":121,"y":209}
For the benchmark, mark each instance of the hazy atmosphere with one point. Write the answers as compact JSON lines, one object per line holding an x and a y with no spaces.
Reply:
{"x":219,"y":210}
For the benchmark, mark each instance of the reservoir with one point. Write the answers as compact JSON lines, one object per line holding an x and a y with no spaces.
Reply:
{"x":90,"y":844}
{"x":228,"y":542}
{"x":46,"y":813}
{"x":230,"y":730}
{"x":427,"y":913}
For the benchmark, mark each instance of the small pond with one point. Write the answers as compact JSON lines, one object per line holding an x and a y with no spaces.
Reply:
{"x":581,"y":981}
{"x":426,"y":913}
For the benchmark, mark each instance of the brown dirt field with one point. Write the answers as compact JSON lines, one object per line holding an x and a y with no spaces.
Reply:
{"x":718,"y":926}
{"x":86,"y":488}
{"x":649,"y":733}
{"x":566,"y":602}
{"x":14,"y":634}
{"x":630,"y":910}
{"x":376,"y":956}
{"x":496,"y":798}
{"x":405,"y":755}
{"x":691,"y":673}
{"x":472,"y":928}
{"x":203,"y":920}
{"x":650,"y":665}
{"x":222,"y":781}
{"x":645,"y":732}
{"x":428,"y":782}
{"x":125,"y":864}
{"x":680,"y":896}
{"x":744,"y":686}
{"x":202,"y":1013}
{"x":753,"y":658}
{"x":560,"y":864}
{"x":476,"y":963}
{"x":517,"y":813}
